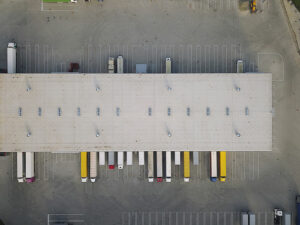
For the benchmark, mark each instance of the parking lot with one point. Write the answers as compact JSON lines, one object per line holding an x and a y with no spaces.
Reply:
{"x":201,"y":36}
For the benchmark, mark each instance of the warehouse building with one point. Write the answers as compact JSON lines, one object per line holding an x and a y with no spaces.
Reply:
{"x":135,"y":112}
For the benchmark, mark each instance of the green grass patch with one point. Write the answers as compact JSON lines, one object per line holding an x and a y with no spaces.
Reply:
{"x":55,"y":1}
{"x":297,"y":4}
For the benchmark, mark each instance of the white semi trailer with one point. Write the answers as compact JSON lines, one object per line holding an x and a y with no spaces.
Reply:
{"x":120,"y":64}
{"x":20,"y":167}
{"x":120,"y":160}
{"x":30,"y":167}
{"x":177,"y":158}
{"x":213,"y":166}
{"x":101,"y":158}
{"x":141,"y":158}
{"x":168,"y":166}
{"x":12,"y":57}
{"x":93,"y":166}
{"x":159,"y":167}
{"x":129,"y":158}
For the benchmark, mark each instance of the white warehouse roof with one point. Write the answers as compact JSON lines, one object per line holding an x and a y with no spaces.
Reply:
{"x":135,"y":112}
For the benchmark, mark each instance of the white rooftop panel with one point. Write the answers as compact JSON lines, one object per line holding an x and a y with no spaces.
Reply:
{"x":138,"y":112}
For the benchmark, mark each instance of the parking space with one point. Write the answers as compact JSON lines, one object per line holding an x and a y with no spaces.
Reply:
{"x":188,"y":218}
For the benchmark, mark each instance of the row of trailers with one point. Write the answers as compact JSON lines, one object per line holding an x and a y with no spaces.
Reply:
{"x":158,"y":164}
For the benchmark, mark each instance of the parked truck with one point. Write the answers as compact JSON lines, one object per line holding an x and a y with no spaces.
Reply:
{"x":240,"y":66}
{"x":298,"y":209}
{"x":213,"y":166}
{"x":177,"y":158}
{"x":20,"y":167}
{"x":278,"y":216}
{"x":252,"y":219}
{"x":120,"y":160}
{"x":150,"y":167}
{"x":120,"y":64}
{"x":287,"y":218}
{"x":196,"y":158}
{"x":111,"y":65}
{"x":129,"y":158}
{"x":168,"y":166}
{"x":12,"y":57}
{"x":159,"y":167}
{"x":101,"y":158}
{"x":84,"y":169}
{"x":141,"y":158}
{"x":93,"y":166}
{"x":168,"y":65}
{"x":244,"y":218}
{"x":186,"y":166}
{"x":111,"y":160}
{"x":30,"y":177}
{"x":222,"y":175}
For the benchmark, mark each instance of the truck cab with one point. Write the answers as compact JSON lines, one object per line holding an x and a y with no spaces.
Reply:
{"x":278,"y":217}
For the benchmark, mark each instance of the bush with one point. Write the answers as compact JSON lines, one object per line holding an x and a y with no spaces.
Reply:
{"x":297,"y":4}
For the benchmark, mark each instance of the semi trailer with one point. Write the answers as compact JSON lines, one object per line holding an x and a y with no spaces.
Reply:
{"x":111,"y":160}
{"x":196,"y":158}
{"x":159,"y":167}
{"x":168,"y":166}
{"x":168,"y":65}
{"x":244,"y":218}
{"x":111,"y":65}
{"x":102,"y":158}
{"x":20,"y":167}
{"x":120,"y":160}
{"x":84,"y":169}
{"x":177,"y":158}
{"x":150,"y":167}
{"x":186,"y":166}
{"x":213,"y":166}
{"x":129,"y":158}
{"x":93,"y":166}
{"x":30,"y":177}
{"x":141,"y":158}
{"x":12,"y":57}
{"x":120,"y":64}
{"x":298,"y":210}
{"x":222,"y":159}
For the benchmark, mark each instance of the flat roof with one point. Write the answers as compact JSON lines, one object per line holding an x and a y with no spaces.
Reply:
{"x":135,"y":112}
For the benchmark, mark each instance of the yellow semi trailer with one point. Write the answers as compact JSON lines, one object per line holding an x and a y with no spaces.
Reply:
{"x":222,"y":175}
{"x":84,"y":169}
{"x":186,"y":166}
